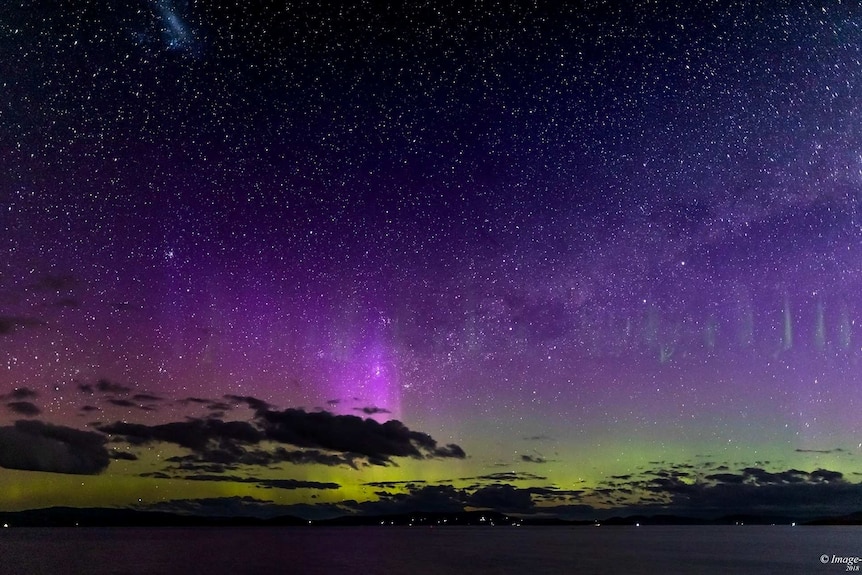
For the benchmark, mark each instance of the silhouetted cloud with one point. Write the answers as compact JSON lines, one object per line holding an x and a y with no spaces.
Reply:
{"x":414,"y":497}
{"x":19,"y":394}
{"x":428,"y":498}
{"x":11,"y":324}
{"x":67,"y":302}
{"x":378,"y":442}
{"x":308,"y":456}
{"x":147,"y":397}
{"x":409,"y":483}
{"x":371,"y":410}
{"x":219,"y":460}
{"x":296,"y":484}
{"x":322,"y":437}
{"x":750,"y":490}
{"x":533,"y":459}
{"x":55,"y":283}
{"x":506,"y":476}
{"x":86,"y":388}
{"x":252,"y":402}
{"x":106,"y":386}
{"x":128,"y":403}
{"x":124,"y":455}
{"x":506,"y":498}
{"x":25,"y":408}
{"x":103,"y":386}
{"x":39,"y":446}
{"x":268,"y":483}
{"x":155,"y":475}
{"x":195,"y":434}
{"x":196,"y":464}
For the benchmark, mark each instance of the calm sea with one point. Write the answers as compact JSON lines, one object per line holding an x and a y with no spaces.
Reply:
{"x":782,"y":550}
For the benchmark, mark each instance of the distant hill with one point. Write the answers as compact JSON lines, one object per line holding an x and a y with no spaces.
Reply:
{"x":111,"y":517}
{"x":851,"y":519}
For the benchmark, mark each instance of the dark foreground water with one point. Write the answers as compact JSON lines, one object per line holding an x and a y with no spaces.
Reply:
{"x":392,"y":550}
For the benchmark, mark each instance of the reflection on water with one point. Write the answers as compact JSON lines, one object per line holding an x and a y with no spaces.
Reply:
{"x":369,"y":550}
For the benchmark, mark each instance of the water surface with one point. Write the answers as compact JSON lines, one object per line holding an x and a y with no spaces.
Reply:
{"x":391,"y":550}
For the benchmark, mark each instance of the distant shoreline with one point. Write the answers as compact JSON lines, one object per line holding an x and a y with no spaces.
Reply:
{"x":110,"y":517}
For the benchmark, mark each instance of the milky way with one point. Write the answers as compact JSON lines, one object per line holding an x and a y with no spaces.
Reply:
{"x":567,"y":260}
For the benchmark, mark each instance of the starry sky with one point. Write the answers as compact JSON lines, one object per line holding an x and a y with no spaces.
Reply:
{"x":310,"y":259}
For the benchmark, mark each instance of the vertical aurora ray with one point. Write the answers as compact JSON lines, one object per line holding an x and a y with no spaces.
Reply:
{"x":819,"y":327}
{"x":787,"y":325}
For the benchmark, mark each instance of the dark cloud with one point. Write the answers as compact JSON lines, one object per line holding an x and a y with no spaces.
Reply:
{"x":147,"y":397}
{"x":409,"y":483}
{"x":378,"y":442}
{"x":450,"y":450}
{"x":19,"y":394}
{"x":322,"y":437}
{"x":269,"y":483}
{"x":414,"y":497}
{"x":55,"y":283}
{"x":308,"y":456}
{"x":123,"y":455}
{"x":106,"y":386}
{"x":128,"y":403}
{"x":726,"y":478}
{"x":253,"y":402}
{"x":533,"y":459}
{"x":86,"y":388}
{"x":825,"y":476}
{"x":506,"y":498}
{"x":236,"y":456}
{"x":836,"y":450}
{"x":89,"y":408}
{"x":122,"y":402}
{"x":39,"y":446}
{"x":755,"y":490}
{"x":25,"y":408}
{"x":199,"y":435}
{"x":332,"y":402}
{"x":156,"y":475}
{"x":211,"y":404}
{"x":371,"y":410}
{"x":296,"y":484}
{"x":103,"y":386}
{"x":428,"y":499}
{"x":219,"y":406}
{"x":758,"y":476}
{"x":506,"y":476}
{"x":554,"y":494}
{"x":194,"y":464}
{"x":67,"y":302}
{"x":199,"y":400}
{"x":537,"y":438}
{"x":11,"y":324}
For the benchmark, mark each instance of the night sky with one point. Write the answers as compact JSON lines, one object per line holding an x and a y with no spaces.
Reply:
{"x":310,"y":259}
